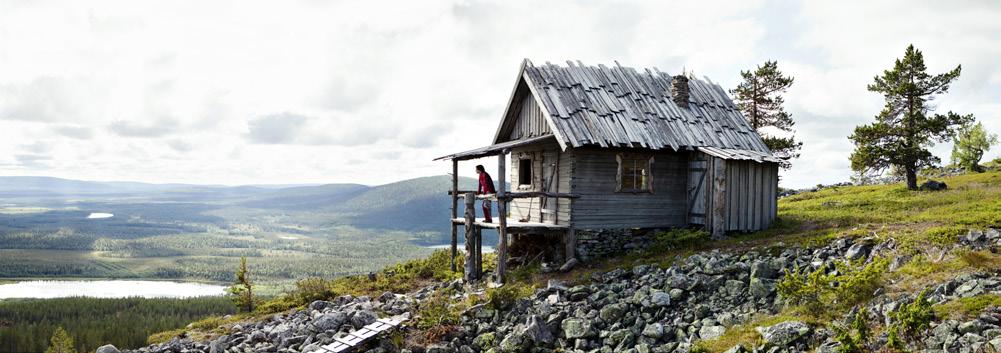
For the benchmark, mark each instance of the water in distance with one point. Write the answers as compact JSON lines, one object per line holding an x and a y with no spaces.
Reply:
{"x":108,"y":289}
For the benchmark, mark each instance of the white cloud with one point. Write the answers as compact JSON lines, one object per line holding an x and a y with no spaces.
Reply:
{"x":370,"y":91}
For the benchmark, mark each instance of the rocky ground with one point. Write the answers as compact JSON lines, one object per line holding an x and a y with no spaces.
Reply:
{"x":642,"y":309}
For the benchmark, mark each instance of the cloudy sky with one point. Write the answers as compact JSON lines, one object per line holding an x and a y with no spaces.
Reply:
{"x":239,"y":92}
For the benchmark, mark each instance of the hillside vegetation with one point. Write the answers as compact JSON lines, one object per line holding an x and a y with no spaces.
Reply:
{"x":922,"y":226}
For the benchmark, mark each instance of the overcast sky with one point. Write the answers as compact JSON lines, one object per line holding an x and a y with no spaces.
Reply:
{"x":239,"y":92}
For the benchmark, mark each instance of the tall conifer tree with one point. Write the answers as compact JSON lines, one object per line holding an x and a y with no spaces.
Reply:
{"x":759,"y":97}
{"x":905,"y":129}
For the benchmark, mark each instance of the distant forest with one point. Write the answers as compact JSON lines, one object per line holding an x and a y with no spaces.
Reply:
{"x":27,"y":324}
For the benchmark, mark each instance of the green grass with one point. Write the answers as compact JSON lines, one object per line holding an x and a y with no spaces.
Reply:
{"x":746,"y":335}
{"x":965,"y":308}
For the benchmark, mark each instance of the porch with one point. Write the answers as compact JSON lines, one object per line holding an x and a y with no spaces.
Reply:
{"x":504,"y":225}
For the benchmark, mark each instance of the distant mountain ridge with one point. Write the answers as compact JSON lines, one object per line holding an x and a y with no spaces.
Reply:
{"x":420,"y":204}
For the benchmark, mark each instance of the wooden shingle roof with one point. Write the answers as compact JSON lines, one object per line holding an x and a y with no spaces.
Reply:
{"x":624,"y":107}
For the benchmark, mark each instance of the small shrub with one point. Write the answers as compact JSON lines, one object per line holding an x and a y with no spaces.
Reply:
{"x":437,"y":311}
{"x":968,"y":307}
{"x":277,"y":305}
{"x":945,"y":235}
{"x":910,"y":320}
{"x":856,"y":283}
{"x":207,"y":324}
{"x":819,"y":292}
{"x":503,"y":297}
{"x":854,"y":337}
{"x":312,"y":289}
{"x":801,"y":288}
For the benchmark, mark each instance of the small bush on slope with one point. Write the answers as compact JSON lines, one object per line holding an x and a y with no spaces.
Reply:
{"x":854,"y":337}
{"x":909,"y":321}
{"x":823,"y":294}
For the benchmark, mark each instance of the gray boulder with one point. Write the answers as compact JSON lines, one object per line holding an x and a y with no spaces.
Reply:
{"x":320,"y":305}
{"x":515,"y":342}
{"x":485,"y":340}
{"x":362,"y":318}
{"x":577,"y":328}
{"x":933,"y":185}
{"x":219,"y":345}
{"x":711,"y":332}
{"x":330,"y":321}
{"x":860,"y":249}
{"x":659,"y":298}
{"x":761,"y":288}
{"x":537,"y":331}
{"x":783,"y":333}
{"x":107,"y":349}
{"x":612,"y":313}
{"x":654,"y":330}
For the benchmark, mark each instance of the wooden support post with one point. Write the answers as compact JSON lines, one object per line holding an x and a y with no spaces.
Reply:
{"x":470,"y":199}
{"x":719,"y":220}
{"x":479,"y":253}
{"x":570,"y":242}
{"x":502,"y":217}
{"x":455,"y":210}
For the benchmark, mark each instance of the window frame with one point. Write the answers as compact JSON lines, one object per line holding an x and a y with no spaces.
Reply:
{"x":526,"y":159}
{"x":622,"y":159}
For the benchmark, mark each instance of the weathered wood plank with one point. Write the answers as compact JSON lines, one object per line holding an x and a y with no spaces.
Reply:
{"x":455,"y":212}
{"x":719,"y":198}
{"x":470,"y":218}
{"x":502,"y":229}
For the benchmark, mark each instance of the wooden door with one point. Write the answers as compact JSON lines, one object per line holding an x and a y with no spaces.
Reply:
{"x":697,"y":194}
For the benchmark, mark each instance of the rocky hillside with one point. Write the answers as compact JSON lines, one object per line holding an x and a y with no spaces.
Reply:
{"x":702,"y":301}
{"x":854,"y":269}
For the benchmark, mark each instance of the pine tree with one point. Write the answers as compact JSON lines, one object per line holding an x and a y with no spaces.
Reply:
{"x":61,"y":342}
{"x":242,"y":292}
{"x":904,"y":130}
{"x":970,"y":144}
{"x":759,"y":97}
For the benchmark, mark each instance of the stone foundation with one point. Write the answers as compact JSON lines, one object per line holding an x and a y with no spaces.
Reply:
{"x":598,"y":243}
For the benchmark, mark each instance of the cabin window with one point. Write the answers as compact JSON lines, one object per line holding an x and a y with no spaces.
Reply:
{"x":634,"y":173}
{"x":524,"y":172}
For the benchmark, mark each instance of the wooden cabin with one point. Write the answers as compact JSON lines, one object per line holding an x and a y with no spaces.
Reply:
{"x":604,"y":155}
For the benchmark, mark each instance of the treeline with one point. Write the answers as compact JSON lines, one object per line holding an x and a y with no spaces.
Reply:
{"x":27,"y":324}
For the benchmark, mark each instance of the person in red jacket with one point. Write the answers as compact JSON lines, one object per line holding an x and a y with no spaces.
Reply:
{"x":486,"y":187}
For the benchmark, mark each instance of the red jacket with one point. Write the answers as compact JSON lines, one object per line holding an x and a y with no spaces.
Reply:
{"x":486,"y":184}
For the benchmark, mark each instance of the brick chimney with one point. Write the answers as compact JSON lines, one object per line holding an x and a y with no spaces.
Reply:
{"x":679,"y":90}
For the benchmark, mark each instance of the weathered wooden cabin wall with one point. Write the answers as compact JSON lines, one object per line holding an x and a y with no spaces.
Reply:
{"x":751,"y":189}
{"x":545,"y":159}
{"x":530,"y":122}
{"x":600,"y":206}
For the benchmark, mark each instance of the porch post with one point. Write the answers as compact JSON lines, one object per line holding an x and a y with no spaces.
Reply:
{"x":455,"y":210}
{"x":719,"y":220}
{"x":470,"y":198}
{"x":502,"y":216}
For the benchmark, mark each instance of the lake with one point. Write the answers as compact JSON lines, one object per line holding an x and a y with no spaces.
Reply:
{"x":108,"y":289}
{"x":99,"y":215}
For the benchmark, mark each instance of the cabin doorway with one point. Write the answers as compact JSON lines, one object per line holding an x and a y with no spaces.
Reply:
{"x":697,"y":194}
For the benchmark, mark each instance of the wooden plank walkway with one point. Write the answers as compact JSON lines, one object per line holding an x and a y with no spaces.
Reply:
{"x":358,"y":337}
{"x":513,"y":224}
